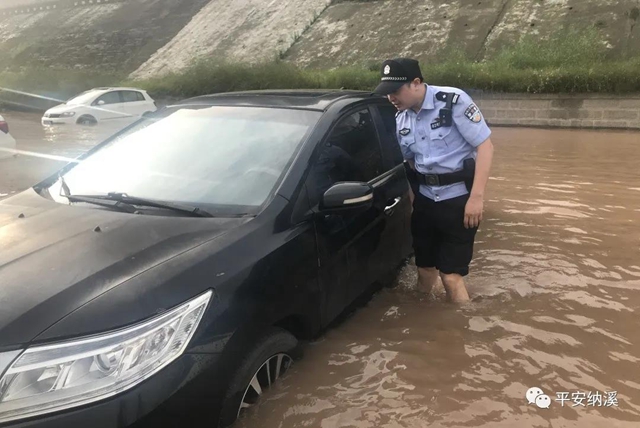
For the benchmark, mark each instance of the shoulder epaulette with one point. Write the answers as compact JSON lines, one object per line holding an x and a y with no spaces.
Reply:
{"x":445,"y":96}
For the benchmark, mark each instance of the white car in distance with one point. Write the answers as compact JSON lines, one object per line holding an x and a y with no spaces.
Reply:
{"x":7,"y":143}
{"x":101,"y":105}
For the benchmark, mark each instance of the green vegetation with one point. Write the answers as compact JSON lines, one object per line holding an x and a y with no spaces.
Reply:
{"x":209,"y":77}
{"x":571,"y":61}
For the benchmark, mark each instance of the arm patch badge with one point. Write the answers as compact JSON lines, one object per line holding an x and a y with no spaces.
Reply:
{"x":473,"y":113}
{"x":404,"y":131}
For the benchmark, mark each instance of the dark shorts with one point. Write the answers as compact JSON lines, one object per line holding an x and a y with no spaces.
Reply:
{"x":440,"y":239}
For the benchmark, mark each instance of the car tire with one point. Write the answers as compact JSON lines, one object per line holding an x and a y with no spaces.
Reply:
{"x":267,"y":360}
{"x":87,"y":120}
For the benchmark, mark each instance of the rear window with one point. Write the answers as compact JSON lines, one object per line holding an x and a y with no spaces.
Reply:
{"x":131,"y":96}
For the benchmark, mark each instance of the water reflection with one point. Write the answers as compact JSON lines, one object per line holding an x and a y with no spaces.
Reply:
{"x":76,"y":139}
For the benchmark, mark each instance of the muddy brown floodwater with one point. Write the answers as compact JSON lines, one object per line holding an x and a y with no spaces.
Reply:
{"x":556,"y":282}
{"x":556,"y":287}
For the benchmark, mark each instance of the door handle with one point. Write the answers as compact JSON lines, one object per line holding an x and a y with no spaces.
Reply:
{"x":388,"y":210}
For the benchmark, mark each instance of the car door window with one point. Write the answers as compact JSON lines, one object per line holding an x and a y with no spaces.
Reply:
{"x":390,"y":146}
{"x":130,"y":96}
{"x":351,"y":153}
{"x":109,"y":98}
{"x":139,"y":96}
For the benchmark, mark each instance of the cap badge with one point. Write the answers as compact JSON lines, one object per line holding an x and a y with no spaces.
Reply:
{"x":387,"y":69}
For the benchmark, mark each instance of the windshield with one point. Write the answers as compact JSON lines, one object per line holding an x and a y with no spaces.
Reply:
{"x":83,"y":98}
{"x":228,"y":159}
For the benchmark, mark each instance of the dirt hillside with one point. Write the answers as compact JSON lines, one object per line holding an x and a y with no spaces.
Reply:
{"x":153,"y":37}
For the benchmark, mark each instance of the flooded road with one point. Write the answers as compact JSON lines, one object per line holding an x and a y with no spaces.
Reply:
{"x":555,"y":285}
{"x":556,"y":288}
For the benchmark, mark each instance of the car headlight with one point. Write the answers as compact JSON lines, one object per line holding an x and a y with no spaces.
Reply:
{"x":68,"y":114}
{"x":56,"y":377}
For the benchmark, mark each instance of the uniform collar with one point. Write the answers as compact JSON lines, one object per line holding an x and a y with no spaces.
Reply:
{"x":429,"y":97}
{"x":429,"y":100}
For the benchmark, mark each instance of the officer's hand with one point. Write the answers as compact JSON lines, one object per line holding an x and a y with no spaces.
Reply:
{"x":473,"y":212}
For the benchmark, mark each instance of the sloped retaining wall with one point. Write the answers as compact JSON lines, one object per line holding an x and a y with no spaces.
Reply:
{"x":36,"y":6}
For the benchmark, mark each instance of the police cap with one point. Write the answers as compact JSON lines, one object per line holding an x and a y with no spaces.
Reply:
{"x":395,"y":73}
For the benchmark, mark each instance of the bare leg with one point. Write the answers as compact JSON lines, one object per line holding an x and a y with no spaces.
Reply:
{"x":455,"y":288}
{"x":427,"y":278}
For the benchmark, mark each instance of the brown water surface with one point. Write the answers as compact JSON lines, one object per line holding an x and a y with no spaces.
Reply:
{"x":556,"y":282}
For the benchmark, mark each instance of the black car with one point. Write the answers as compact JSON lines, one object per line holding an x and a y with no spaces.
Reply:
{"x":171,"y":270}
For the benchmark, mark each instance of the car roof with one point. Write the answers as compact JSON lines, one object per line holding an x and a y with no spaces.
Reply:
{"x":117,"y":89}
{"x":301,"y":98}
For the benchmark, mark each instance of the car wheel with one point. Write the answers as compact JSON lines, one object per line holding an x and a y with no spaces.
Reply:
{"x":87,"y":121}
{"x":266,"y":362}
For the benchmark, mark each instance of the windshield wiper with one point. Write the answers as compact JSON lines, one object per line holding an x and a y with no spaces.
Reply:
{"x":119,"y":205}
{"x":134,"y":200}
{"x":95,"y":200}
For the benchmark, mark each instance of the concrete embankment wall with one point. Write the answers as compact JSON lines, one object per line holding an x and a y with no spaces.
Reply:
{"x":103,"y":35}
{"x":235,"y":31}
{"x":565,"y":111}
{"x":359,"y":32}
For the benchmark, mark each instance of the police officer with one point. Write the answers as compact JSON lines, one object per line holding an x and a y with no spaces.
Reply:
{"x":445,"y":143}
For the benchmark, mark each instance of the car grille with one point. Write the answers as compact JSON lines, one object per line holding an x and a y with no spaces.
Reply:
{"x":52,"y":115}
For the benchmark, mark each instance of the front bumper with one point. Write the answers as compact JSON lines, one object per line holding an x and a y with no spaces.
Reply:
{"x":49,"y":121}
{"x":189,"y":380}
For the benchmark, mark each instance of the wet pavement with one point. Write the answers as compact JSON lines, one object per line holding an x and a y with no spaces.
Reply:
{"x":555,"y":283}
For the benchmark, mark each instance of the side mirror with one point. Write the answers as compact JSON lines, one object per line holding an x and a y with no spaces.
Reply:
{"x":101,"y":103}
{"x":347,"y":196}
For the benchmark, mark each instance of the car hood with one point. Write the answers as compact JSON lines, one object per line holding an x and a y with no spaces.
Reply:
{"x":62,"y":108}
{"x":55,"y":257}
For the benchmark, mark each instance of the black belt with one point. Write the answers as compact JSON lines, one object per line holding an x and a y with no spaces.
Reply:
{"x":443,"y":179}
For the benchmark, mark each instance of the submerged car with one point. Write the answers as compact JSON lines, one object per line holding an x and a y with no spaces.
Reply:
{"x":101,"y":105}
{"x":171,"y":271}
{"x":7,"y":143}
